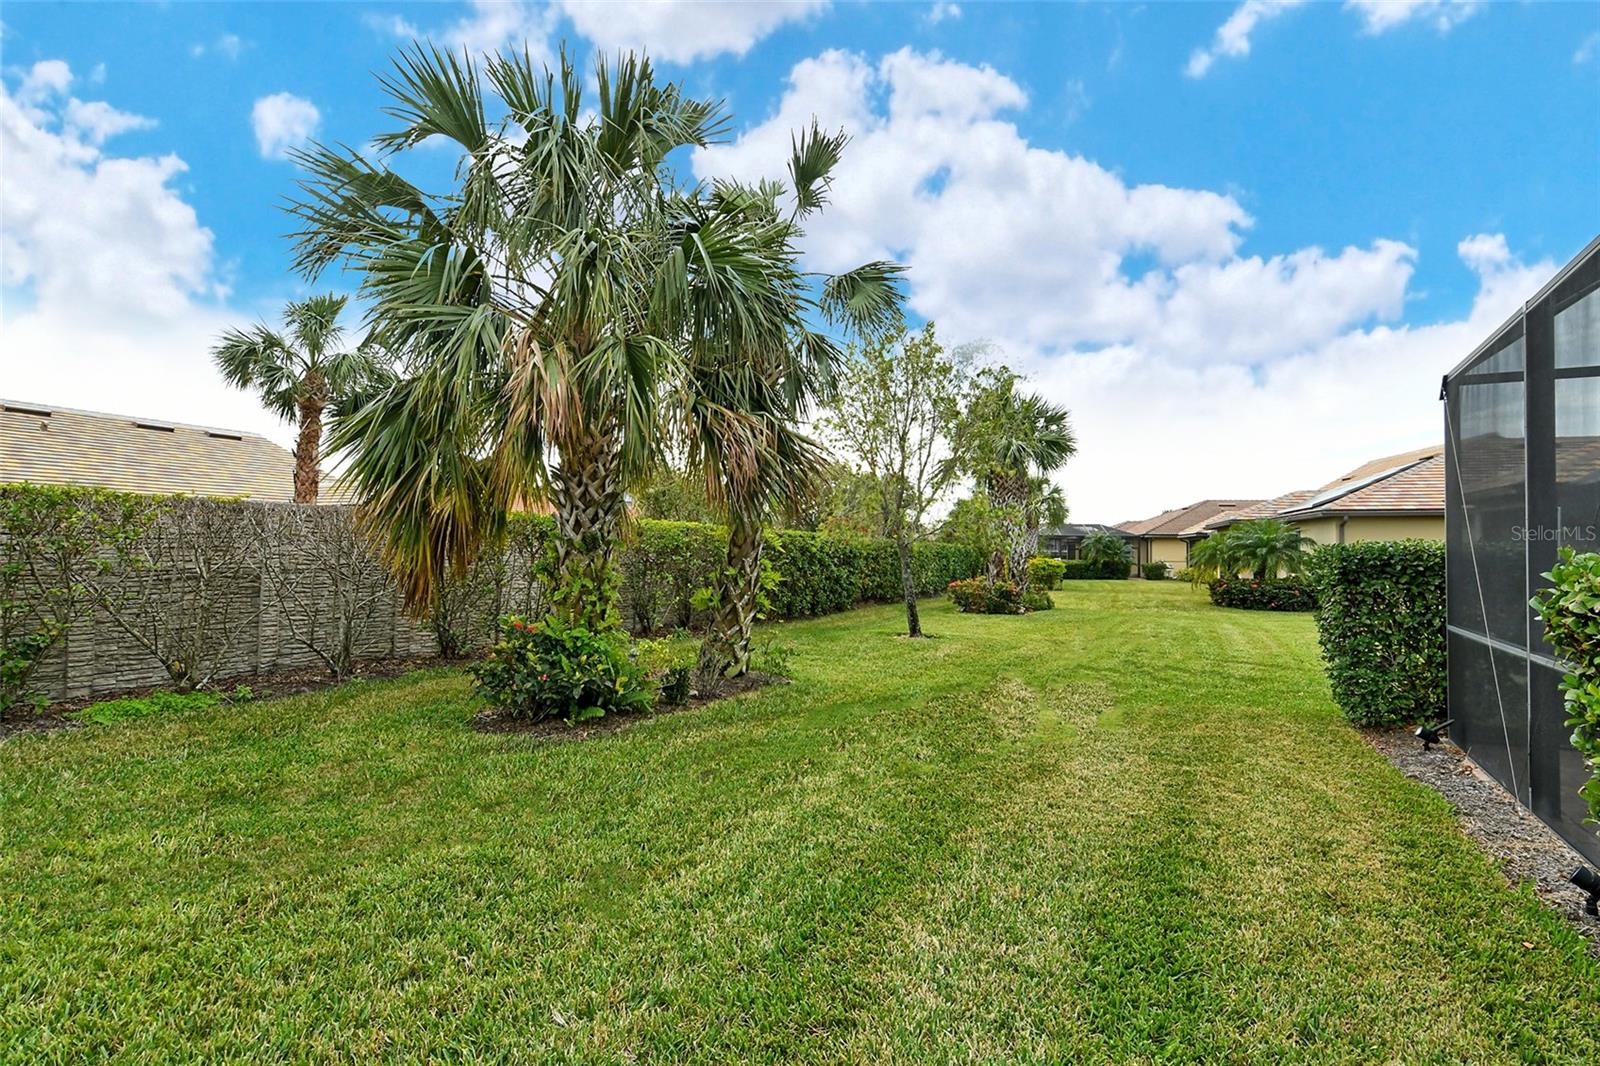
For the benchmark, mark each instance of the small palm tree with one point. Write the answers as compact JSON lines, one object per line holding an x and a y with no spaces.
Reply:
{"x":302,"y":373}
{"x":1105,"y":549}
{"x":1212,"y":558}
{"x":1268,"y":547}
{"x":1006,"y":440}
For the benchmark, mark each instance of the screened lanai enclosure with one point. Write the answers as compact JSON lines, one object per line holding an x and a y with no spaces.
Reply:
{"x":1522,"y":450}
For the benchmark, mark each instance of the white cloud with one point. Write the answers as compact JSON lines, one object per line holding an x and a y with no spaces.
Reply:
{"x":1233,"y":36}
{"x":489,"y":26}
{"x":942,"y":10}
{"x":1587,"y":50}
{"x":683,"y":30}
{"x":112,"y":305}
{"x":1381,"y":16}
{"x":1192,"y":369}
{"x":228,"y":45}
{"x":283,"y":121}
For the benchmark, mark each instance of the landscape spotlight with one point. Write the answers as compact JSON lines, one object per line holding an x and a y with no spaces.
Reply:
{"x":1588,"y":881}
{"x":1430,"y":734}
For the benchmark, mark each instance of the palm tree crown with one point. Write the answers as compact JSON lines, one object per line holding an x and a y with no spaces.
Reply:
{"x":547,"y":307}
{"x":301,"y":373}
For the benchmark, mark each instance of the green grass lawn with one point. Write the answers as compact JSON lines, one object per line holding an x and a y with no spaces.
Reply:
{"x":1130,"y":828}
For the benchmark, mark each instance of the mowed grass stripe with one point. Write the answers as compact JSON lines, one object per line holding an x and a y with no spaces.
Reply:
{"x":1129,"y":828}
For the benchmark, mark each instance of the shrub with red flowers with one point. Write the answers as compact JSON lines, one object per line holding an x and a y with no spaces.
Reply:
{"x":547,"y":668}
{"x":1253,"y":594}
{"x":976,"y":595}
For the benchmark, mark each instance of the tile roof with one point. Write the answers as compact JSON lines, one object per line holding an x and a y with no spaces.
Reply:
{"x":1264,"y":509}
{"x":1184,"y":521}
{"x":1409,"y":483}
{"x":59,"y":446}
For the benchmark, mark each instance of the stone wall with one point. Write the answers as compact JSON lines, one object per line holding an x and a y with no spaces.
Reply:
{"x":230,"y":589}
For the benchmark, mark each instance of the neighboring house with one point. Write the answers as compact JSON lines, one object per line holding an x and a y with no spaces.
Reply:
{"x":1061,"y":542}
{"x":59,"y":446}
{"x":1168,"y":537}
{"x":1397,"y":497}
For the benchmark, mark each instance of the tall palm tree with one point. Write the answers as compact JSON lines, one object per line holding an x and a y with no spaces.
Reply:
{"x":1268,"y":547}
{"x":1005,"y":440}
{"x":546,"y":305}
{"x":742,"y":402}
{"x":300,"y":374}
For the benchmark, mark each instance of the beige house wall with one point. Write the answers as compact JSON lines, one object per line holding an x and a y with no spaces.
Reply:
{"x":1169,"y":550}
{"x":1378,"y":527}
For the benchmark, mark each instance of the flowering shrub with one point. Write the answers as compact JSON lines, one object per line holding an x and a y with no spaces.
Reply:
{"x":976,"y":596}
{"x":1571,"y":613}
{"x":1253,"y":594}
{"x":545,"y":668}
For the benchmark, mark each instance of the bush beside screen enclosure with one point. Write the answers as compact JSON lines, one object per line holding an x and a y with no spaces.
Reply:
{"x":1522,"y":447}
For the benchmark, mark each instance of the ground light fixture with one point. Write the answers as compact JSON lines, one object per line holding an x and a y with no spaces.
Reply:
{"x":1588,"y":881}
{"x":1431,"y":734}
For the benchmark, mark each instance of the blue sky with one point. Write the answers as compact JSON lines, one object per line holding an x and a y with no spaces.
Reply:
{"x":1204,"y":227}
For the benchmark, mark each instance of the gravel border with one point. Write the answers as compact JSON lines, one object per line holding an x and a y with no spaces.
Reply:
{"x":1526,"y":849}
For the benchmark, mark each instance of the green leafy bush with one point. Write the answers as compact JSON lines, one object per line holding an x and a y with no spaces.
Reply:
{"x":668,"y":664}
{"x":1190,"y":574}
{"x":1038,"y":600}
{"x":1155,"y":571}
{"x":1045,"y":573}
{"x":547,"y":668}
{"x":977,"y":596}
{"x":1253,"y":594}
{"x":1084,"y":570}
{"x":109,"y":712}
{"x":1571,"y":612}
{"x":1381,"y":622}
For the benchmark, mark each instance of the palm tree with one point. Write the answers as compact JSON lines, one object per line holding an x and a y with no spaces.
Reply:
{"x":741,"y":402}
{"x":1005,"y":440}
{"x":1268,"y":547}
{"x":546,"y":306}
{"x":1213,"y":557}
{"x":299,"y":376}
{"x":1047,"y":506}
{"x":1105,"y":549}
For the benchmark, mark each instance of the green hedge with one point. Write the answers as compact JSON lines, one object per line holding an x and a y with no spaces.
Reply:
{"x":1381,"y":622}
{"x":1249,"y":594}
{"x":1571,"y":612}
{"x":1083,"y":570}
{"x":662,"y":564}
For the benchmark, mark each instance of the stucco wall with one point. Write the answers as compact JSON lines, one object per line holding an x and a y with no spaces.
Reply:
{"x":1326,"y":530}
{"x":1169,"y":550}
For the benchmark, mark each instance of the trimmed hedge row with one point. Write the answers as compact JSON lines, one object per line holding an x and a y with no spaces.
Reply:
{"x":662,"y":564}
{"x":1083,"y":570}
{"x":1250,"y":594}
{"x":1381,"y":623}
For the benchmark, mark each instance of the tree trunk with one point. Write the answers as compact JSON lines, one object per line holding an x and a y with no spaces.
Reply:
{"x":586,"y":490}
{"x":1009,"y":494}
{"x":908,"y":584}
{"x":308,"y":449}
{"x":726,"y":649}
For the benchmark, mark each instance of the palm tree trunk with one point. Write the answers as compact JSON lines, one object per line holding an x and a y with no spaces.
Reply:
{"x":586,"y":490}
{"x":308,"y":451}
{"x":1010,"y":496}
{"x":726,"y":649}
{"x":908,"y":584}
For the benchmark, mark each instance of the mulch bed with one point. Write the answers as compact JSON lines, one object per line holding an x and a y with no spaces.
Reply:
{"x":1526,"y":848}
{"x":556,"y":731}
{"x":262,"y":686}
